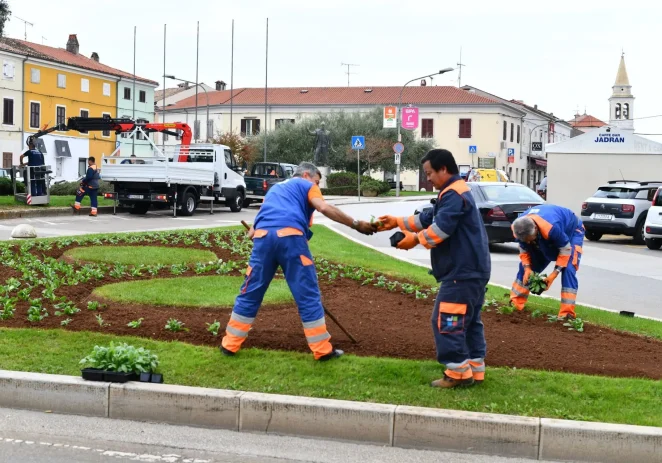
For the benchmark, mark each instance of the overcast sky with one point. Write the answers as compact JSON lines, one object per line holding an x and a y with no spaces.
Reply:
{"x":562,"y":55}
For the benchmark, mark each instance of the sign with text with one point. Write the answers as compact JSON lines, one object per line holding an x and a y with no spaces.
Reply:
{"x":486,"y":163}
{"x":390,"y":117}
{"x":397,"y":159}
{"x":410,"y":118}
{"x":536,"y":146}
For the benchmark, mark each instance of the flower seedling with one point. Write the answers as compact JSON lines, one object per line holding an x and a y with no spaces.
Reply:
{"x":536,"y":313}
{"x":122,"y":358}
{"x":505,"y":310}
{"x":376,"y":223}
{"x":174,"y":325}
{"x":66,"y":322}
{"x":214,"y":327}
{"x":37,"y":313}
{"x":66,"y":308}
{"x":135,"y":323}
{"x":576,"y":324}
{"x":537,"y":283}
{"x":100,"y":320}
{"x":93,"y":305}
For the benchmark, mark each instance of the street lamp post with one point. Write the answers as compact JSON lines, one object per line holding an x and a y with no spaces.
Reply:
{"x":196,"y":108}
{"x":397,"y":167}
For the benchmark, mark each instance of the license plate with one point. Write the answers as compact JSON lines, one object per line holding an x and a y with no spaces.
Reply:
{"x":603,"y":217}
{"x":250,"y":192}
{"x":135,"y":196}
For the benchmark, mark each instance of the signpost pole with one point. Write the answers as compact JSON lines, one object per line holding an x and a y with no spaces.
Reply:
{"x":358,"y":172}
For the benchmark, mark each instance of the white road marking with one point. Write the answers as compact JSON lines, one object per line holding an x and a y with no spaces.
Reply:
{"x":45,"y":221}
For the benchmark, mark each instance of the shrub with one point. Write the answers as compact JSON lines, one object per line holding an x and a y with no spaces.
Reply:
{"x":6,"y":188}
{"x":345,"y":184}
{"x":71,"y":188}
{"x":122,"y":358}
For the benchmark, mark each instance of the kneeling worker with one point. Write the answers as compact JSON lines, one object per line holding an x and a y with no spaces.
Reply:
{"x":455,"y":233}
{"x":548,"y":233}
{"x":89,"y":186}
{"x":280,"y":238}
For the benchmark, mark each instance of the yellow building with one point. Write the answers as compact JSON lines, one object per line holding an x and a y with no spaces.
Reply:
{"x":61,"y":83}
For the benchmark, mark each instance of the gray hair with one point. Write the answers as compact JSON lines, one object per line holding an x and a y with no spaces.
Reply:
{"x":307,"y":167}
{"x":524,"y":227}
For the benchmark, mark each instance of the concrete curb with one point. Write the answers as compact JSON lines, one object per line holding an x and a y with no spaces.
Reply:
{"x":391,"y":425}
{"x":50,"y":212}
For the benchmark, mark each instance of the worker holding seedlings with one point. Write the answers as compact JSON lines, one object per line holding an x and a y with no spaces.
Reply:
{"x":548,"y":233}
{"x":280,"y":238}
{"x":454,"y":232}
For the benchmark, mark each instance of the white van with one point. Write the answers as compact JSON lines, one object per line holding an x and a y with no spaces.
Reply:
{"x":653,"y":226}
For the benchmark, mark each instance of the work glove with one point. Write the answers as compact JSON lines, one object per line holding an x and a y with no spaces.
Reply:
{"x":386,"y":222}
{"x":408,"y":242}
{"x":527,"y":275}
{"x":550,"y":279}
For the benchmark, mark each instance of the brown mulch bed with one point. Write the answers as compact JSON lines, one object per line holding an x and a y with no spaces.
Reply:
{"x":385,"y":324}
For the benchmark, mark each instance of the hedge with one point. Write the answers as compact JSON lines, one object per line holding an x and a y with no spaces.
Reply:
{"x":345,"y":184}
{"x":6,"y":188}
{"x":70,"y":188}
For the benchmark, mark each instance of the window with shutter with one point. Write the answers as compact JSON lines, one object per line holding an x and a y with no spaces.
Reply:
{"x":85,"y":85}
{"x":105,"y":133}
{"x":427,"y":128}
{"x":243,"y":127}
{"x":512,"y":132}
{"x":35,"y":115}
{"x":505,"y":130}
{"x":465,"y":128}
{"x":142,"y":96}
{"x":61,"y":81}
{"x":60,"y":115}
{"x":256,"y":127}
{"x":8,"y":111}
{"x":84,"y":113}
{"x":518,"y":134}
{"x":106,"y":89}
{"x":127,"y":93}
{"x":210,"y":128}
{"x":8,"y":70}
{"x":35,"y":75}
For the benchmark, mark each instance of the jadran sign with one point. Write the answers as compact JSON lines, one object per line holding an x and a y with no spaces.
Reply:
{"x":610,"y":138}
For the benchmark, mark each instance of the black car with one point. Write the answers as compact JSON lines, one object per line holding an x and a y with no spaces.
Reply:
{"x":500,"y":204}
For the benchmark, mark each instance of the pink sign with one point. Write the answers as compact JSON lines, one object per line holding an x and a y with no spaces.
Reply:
{"x":410,"y":118}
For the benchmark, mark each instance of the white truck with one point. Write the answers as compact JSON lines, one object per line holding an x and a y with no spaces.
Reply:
{"x":180,"y":178}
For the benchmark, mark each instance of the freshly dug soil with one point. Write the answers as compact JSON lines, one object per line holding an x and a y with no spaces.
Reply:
{"x":386,"y":324}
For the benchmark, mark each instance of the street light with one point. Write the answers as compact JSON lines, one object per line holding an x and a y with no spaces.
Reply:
{"x":397,"y":168}
{"x":196,"y":107}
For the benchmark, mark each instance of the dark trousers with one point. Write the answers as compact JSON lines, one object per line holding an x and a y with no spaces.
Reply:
{"x":458,"y":329}
{"x":91,"y":192}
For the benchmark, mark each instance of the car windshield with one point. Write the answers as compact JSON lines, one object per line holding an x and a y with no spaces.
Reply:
{"x":614,"y":192}
{"x":510,"y":193}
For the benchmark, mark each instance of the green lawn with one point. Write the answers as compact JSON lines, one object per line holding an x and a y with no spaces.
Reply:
{"x":402,"y":382}
{"x":412,"y":193}
{"x":8,"y":202}
{"x":201,"y":291}
{"x":384,"y":380}
{"x":136,"y":255}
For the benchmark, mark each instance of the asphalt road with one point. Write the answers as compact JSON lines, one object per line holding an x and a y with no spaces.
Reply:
{"x":614,"y":274}
{"x":28,"y":436}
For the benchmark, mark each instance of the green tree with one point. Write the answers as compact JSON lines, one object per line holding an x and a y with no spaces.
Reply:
{"x":5,"y":12}
{"x":240,"y":147}
{"x":293,"y":143}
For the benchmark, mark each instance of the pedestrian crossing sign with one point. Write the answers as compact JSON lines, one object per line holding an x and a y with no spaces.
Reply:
{"x":358,"y":142}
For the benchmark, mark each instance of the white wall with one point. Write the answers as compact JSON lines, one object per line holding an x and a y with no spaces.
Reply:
{"x":11,"y":136}
{"x":572,"y":178}
{"x":79,"y":148}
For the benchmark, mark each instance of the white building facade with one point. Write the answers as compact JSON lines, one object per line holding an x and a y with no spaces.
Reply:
{"x":11,"y":117}
{"x":467,"y":124}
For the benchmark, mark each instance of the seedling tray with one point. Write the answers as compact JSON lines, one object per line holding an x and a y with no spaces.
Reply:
{"x":94,"y":374}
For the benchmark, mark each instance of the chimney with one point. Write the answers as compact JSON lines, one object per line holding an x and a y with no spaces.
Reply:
{"x":72,"y":44}
{"x":423,"y":83}
{"x":95,"y":56}
{"x":220,"y":85}
{"x":535,"y":106}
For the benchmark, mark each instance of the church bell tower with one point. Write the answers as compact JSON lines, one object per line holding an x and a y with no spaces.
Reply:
{"x":621,"y":103}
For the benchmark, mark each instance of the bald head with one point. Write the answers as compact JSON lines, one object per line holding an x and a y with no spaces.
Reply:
{"x":525,"y":229}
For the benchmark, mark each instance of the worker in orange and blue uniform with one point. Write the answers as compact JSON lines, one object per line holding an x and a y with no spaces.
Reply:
{"x":35,"y":159}
{"x":89,"y":186}
{"x":548,"y":233}
{"x":454,"y":232}
{"x":280,"y":238}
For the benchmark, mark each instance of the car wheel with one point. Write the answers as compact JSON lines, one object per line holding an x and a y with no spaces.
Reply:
{"x":189,"y":204}
{"x":236,"y":203}
{"x":654,"y":244}
{"x":593,"y":236}
{"x":639,"y":237}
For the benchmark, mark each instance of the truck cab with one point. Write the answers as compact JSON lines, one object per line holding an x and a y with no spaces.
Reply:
{"x":262,"y":176}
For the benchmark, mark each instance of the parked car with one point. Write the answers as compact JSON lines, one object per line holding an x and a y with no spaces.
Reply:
{"x":500,"y":204}
{"x":542,"y":188}
{"x":262,"y":176}
{"x":653,"y":226}
{"x":393,"y":184}
{"x":486,"y":175}
{"x":619,"y":208}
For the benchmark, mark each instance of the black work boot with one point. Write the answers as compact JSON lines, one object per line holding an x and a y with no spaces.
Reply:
{"x":335,"y":353}
{"x":226,"y":352}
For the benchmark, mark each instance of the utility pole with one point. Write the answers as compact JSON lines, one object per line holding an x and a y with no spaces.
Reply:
{"x":460,"y":65}
{"x":25,"y":25}
{"x":348,"y":71}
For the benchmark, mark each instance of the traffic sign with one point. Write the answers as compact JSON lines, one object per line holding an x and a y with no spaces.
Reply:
{"x":410,"y":118}
{"x":358,"y":142}
{"x":473,"y":149}
{"x":390,"y":121}
{"x":397,"y":159}
{"x":399,"y":148}
{"x":511,"y":151}
{"x":511,"y":159}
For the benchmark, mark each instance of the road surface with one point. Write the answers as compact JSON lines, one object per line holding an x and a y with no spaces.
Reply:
{"x":28,"y":436}
{"x":614,"y":274}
